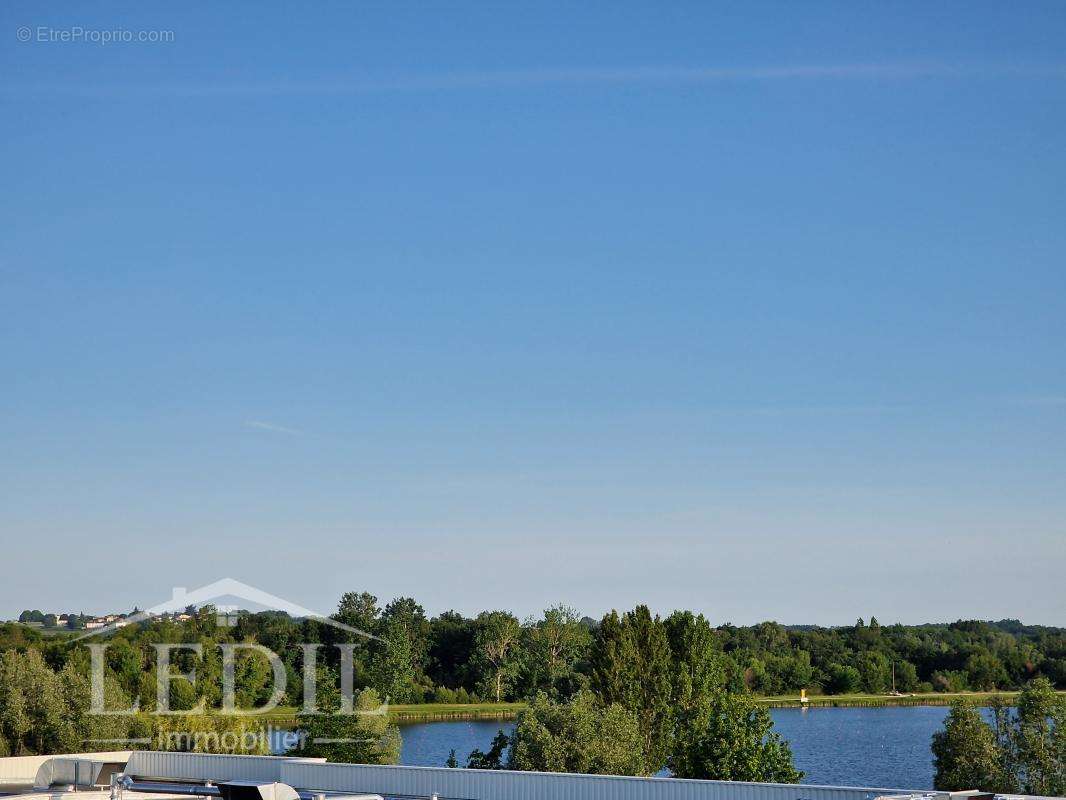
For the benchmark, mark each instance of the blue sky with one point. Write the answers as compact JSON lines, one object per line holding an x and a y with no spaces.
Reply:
{"x":757,"y":309}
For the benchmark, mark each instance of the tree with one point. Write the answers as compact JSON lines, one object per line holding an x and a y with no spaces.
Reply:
{"x":843,"y":679}
{"x":906,"y":676}
{"x":950,"y":680}
{"x":697,"y":675}
{"x":496,"y":641}
{"x":876,"y":671}
{"x":696,"y":663}
{"x":1023,"y":751}
{"x":42,"y":712}
{"x":39,"y":724}
{"x":632,"y":666}
{"x":799,"y":673}
{"x":965,"y":755}
{"x":365,"y":737}
{"x":736,"y":743}
{"x":410,"y":617}
{"x":209,"y":733}
{"x":555,"y":645}
{"x":613,"y":661}
{"x":757,"y":678}
{"x":494,"y":758}
{"x":654,"y":691}
{"x":14,"y":714}
{"x":391,"y":667}
{"x":580,"y":735}
{"x":985,"y":672}
{"x":451,"y":650}
{"x":126,"y":662}
{"x":358,"y":610}
{"x":253,"y":679}
{"x":1040,"y":740}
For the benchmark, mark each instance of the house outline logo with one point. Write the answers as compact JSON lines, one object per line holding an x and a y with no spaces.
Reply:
{"x":226,"y":587}
{"x":230,"y":587}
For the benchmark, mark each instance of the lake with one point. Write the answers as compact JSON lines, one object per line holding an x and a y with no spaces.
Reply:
{"x":878,"y":747}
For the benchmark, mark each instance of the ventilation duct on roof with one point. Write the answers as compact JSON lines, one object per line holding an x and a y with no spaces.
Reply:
{"x":79,"y":772}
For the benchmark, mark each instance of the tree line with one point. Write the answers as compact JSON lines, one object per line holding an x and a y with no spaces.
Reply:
{"x":494,"y":656}
{"x":45,"y":710}
{"x":630,"y":693}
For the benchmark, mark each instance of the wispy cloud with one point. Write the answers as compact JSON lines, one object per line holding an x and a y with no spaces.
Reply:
{"x":579,"y":76}
{"x":269,"y":426}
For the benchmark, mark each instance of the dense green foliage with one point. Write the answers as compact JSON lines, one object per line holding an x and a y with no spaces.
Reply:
{"x":365,"y":737}
{"x":453,"y":658}
{"x":1021,"y":750}
{"x":45,"y":711}
{"x":632,"y":666}
{"x":658,"y":697}
{"x":965,"y":753}
{"x":42,"y":711}
{"x":630,"y":693}
{"x":735,"y":741}
{"x":580,"y":735}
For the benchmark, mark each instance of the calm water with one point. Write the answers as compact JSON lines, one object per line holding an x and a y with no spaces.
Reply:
{"x":878,"y":747}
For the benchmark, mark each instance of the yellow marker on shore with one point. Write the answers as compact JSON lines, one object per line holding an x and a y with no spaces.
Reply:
{"x":803,"y":697}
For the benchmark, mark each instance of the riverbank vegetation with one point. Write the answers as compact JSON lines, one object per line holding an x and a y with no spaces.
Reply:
{"x":1021,"y":749}
{"x":454,"y":659}
{"x":682,"y":693}
{"x":657,"y":697}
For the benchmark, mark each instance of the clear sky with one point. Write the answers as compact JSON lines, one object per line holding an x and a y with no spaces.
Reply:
{"x":756,"y":309}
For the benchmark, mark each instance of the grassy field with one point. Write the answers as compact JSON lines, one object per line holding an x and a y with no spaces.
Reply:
{"x":422,"y":712}
{"x":437,"y":711}
{"x":882,"y":700}
{"x":428,"y":712}
{"x":434,"y":711}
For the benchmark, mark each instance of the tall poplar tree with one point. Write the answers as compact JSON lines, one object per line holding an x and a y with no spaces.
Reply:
{"x":631,"y":666}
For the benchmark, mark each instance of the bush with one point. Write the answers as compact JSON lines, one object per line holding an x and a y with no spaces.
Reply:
{"x":734,"y":742}
{"x":843,"y":679}
{"x":906,"y":677}
{"x":1024,"y":751}
{"x":205,"y":733}
{"x":964,"y":752}
{"x":950,"y":681}
{"x":442,"y":694}
{"x":578,"y":736}
{"x":368,"y":737}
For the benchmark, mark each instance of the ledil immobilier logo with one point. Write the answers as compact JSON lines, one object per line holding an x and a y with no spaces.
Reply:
{"x":339,"y":668}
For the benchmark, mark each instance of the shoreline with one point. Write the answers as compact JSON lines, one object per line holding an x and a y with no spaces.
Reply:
{"x":445,"y":712}
{"x":404,"y":714}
